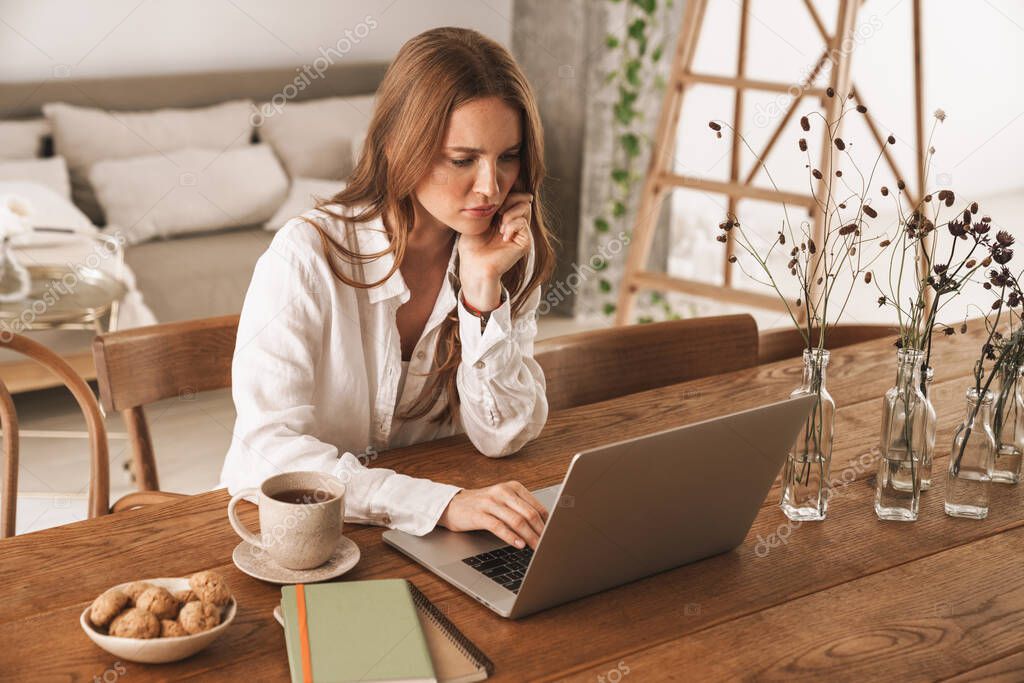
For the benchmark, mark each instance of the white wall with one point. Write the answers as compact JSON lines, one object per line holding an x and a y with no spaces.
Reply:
{"x":120,"y":37}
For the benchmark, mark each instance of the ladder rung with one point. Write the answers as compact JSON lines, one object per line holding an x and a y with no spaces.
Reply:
{"x":752,"y":84}
{"x":646,"y":279}
{"x":737,"y":190}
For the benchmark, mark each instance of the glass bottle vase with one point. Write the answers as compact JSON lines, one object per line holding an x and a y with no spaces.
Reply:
{"x":1008,"y":425}
{"x":805,"y":478}
{"x":903,"y":441}
{"x":930,"y":423}
{"x":971,"y":459}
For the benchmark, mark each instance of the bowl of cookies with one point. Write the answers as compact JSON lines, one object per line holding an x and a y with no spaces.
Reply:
{"x":160,"y":620}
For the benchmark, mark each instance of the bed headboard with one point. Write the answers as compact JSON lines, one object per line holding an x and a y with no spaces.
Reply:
{"x":19,"y":100}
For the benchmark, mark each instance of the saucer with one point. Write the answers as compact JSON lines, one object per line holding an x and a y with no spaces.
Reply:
{"x":257,"y":563}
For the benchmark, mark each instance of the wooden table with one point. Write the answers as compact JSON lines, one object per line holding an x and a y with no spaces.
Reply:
{"x":851,"y":598}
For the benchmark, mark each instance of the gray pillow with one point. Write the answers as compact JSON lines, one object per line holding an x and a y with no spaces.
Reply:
{"x":316,"y":139}
{"x":84,"y":136}
{"x":189,"y":190}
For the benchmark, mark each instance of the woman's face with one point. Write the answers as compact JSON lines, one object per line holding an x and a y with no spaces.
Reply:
{"x":476,"y":167}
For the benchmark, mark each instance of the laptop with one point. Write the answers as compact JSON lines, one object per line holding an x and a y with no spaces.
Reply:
{"x":625,"y":511}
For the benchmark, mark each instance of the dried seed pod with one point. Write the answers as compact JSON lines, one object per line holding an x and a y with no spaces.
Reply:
{"x":840,"y":145}
{"x":862,"y":109}
{"x":830,"y":91}
{"x":871,"y":213}
{"x":891,"y":140}
{"x":805,"y":123}
{"x":885,"y":191}
{"x":816,"y":173}
{"x":803,"y":145}
{"x":714,"y":126}
{"x":884,"y":243}
{"x":867,"y":278}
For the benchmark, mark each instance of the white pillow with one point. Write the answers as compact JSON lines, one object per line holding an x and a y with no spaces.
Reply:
{"x":23,"y":139}
{"x":50,"y":210}
{"x":314,"y":139}
{"x":189,"y":190}
{"x":51,"y":172}
{"x":84,"y":136}
{"x":301,"y":199}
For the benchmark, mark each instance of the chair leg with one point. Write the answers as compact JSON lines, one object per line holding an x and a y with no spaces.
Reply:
{"x":143,"y":460}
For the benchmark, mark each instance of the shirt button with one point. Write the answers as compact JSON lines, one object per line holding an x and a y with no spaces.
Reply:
{"x":478,"y":365}
{"x":420,"y":354}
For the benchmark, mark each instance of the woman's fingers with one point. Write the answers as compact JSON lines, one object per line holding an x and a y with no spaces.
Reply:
{"x":517,"y":227}
{"x":513,"y":519}
{"x":500,"y":529}
{"x":531,"y":499}
{"x":527,"y":512}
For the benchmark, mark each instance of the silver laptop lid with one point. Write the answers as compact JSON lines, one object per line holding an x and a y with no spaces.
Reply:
{"x":648,"y":504}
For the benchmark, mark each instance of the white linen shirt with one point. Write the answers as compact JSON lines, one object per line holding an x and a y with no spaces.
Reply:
{"x":317,"y":365}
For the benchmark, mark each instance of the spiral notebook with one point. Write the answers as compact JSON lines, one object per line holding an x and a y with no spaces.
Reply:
{"x":455,"y":658}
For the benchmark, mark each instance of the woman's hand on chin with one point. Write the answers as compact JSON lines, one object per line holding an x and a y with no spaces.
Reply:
{"x":508,"y":510}
{"x":484,"y":258}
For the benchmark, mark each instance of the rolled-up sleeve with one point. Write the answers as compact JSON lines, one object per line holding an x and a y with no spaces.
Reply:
{"x":503,"y":404}
{"x":273,"y":376}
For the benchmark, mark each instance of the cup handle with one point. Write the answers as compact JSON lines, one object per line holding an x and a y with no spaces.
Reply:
{"x":236,"y":523}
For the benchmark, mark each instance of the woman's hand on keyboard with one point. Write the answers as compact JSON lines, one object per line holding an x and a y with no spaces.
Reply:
{"x":508,"y":510}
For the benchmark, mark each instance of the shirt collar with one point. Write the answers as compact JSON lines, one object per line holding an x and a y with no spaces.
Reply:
{"x":372,"y":238}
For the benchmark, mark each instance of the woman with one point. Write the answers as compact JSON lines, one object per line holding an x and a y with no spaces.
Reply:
{"x":403,"y":309}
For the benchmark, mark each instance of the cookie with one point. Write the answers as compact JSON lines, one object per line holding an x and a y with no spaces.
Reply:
{"x":196,"y":617}
{"x":171,"y":629}
{"x":210,"y":587}
{"x":107,"y":606}
{"x":136,"y":588}
{"x":135,"y":623}
{"x":159,"y":602}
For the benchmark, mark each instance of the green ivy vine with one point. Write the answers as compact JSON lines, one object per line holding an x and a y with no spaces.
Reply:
{"x":636,"y":70}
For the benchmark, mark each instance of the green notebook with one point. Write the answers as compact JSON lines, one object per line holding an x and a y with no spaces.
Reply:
{"x":357,"y":631}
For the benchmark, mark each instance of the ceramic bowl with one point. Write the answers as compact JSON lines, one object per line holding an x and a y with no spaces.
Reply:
{"x":158,"y":650}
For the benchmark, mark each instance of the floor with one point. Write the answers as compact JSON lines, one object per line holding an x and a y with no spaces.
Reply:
{"x":190,"y":436}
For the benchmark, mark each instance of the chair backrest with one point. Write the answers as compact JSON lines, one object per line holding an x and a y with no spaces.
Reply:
{"x":598,"y":365}
{"x":146,"y":364}
{"x":99,"y":473}
{"x":787,"y":342}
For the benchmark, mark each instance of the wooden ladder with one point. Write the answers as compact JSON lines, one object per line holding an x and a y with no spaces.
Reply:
{"x":661,"y":179}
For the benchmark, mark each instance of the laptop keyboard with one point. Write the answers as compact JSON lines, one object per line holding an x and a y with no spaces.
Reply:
{"x":507,"y":566}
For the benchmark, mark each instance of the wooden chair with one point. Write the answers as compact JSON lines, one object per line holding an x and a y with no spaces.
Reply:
{"x":602,"y":364}
{"x":146,"y":364}
{"x":787,"y":342}
{"x":99,"y":476}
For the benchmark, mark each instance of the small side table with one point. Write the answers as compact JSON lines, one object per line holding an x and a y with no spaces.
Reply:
{"x":69,"y":298}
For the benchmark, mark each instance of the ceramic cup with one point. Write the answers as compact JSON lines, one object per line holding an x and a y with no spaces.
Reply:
{"x":300,"y":530}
